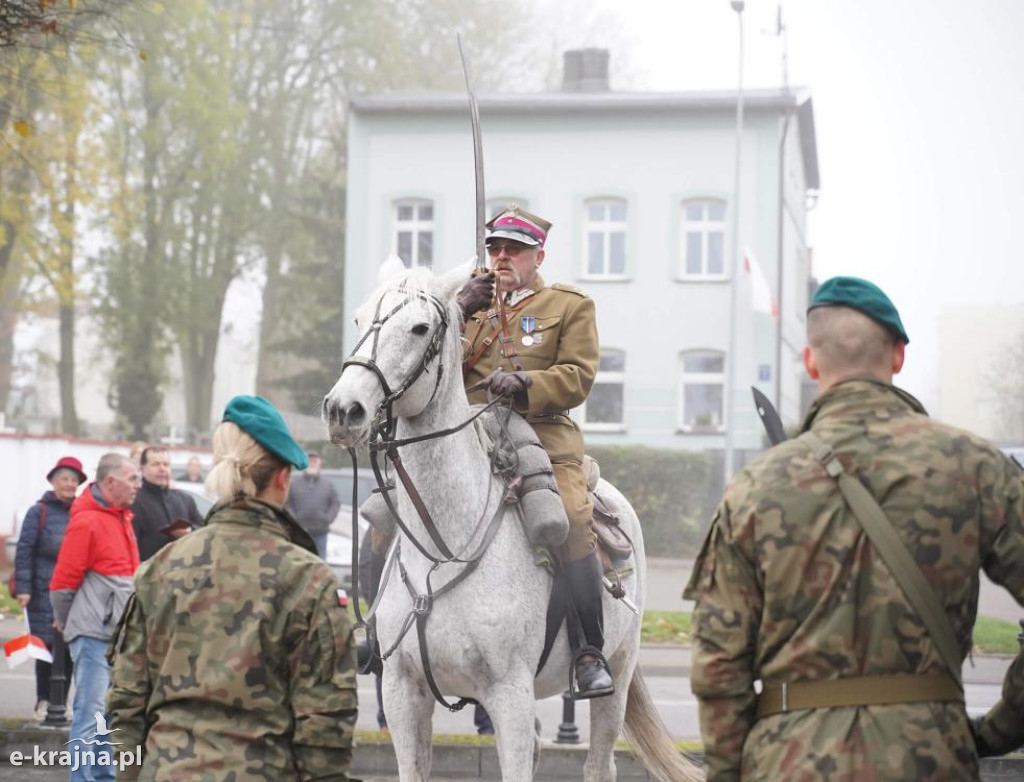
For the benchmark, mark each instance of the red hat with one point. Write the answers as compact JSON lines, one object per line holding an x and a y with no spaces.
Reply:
{"x":68,"y":463}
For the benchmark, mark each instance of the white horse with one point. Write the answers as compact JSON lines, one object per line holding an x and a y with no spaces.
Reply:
{"x":484,"y":637}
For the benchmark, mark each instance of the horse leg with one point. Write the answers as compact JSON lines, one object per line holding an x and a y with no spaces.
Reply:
{"x":513,"y":712}
{"x":606,"y":717}
{"x":409,"y":708}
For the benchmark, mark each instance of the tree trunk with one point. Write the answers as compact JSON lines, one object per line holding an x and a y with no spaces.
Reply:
{"x":66,"y":291}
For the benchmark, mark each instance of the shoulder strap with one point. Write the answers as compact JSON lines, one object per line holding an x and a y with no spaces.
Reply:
{"x":894,"y":553}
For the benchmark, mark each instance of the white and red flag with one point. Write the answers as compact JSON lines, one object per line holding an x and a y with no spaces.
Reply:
{"x":760,"y":289}
{"x":26,"y":647}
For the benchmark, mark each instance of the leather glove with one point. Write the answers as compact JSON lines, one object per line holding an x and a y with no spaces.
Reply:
{"x":504,"y":383}
{"x":475,"y":294}
{"x":984,"y":750}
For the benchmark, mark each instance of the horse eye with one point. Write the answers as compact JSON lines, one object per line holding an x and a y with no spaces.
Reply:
{"x":420,"y":329}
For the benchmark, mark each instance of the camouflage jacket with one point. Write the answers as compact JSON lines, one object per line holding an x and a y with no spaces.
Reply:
{"x":788,"y":588}
{"x":233,"y":659}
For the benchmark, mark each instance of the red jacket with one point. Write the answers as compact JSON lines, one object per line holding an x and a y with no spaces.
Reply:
{"x":95,"y":569}
{"x":99,"y":538}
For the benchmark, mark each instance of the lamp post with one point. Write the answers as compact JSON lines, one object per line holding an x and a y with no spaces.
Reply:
{"x":737,"y":267}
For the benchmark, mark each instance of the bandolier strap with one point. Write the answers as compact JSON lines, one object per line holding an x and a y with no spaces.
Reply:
{"x":857,"y":691}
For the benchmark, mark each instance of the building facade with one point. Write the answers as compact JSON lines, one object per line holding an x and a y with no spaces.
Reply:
{"x":639,"y":188}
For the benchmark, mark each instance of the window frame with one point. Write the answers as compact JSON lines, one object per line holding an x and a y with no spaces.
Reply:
{"x":705,"y":231}
{"x":608,"y":227}
{"x":416,"y":227}
{"x":701,"y":378}
{"x":607,"y":377}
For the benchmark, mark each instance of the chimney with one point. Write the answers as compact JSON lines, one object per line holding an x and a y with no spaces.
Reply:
{"x":586,"y":70}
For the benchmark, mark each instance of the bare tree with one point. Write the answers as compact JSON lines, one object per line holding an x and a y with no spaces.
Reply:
{"x":1006,"y":383}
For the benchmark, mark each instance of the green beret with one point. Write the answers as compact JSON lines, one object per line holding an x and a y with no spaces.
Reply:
{"x":863,"y":296}
{"x":259,"y":419}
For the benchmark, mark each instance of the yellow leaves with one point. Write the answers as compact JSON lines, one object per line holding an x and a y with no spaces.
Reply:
{"x":22,"y":128}
{"x":72,"y":4}
{"x":143,"y":55}
{"x":44,"y":4}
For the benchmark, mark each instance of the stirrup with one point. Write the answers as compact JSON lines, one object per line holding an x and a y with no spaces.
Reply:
{"x":368,"y":659}
{"x":574,"y":685}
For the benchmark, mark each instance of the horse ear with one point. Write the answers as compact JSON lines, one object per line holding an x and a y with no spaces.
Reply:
{"x":450,"y":283}
{"x":390,"y":269}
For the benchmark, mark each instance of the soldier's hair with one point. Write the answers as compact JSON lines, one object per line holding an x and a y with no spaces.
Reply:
{"x":848,"y":342}
{"x":241,"y":466}
{"x":149,"y":450}
{"x":108,"y":465}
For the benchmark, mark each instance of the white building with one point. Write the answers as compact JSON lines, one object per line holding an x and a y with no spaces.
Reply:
{"x":639,"y":187}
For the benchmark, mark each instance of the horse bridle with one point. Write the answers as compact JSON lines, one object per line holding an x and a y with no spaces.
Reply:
{"x":433,"y":349}
{"x":382,"y":438}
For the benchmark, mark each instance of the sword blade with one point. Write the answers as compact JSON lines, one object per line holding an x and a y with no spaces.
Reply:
{"x":625,"y":600}
{"x":769,"y":417}
{"x":478,"y":159}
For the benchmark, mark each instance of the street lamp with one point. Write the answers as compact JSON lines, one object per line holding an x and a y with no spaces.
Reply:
{"x":737,"y":266}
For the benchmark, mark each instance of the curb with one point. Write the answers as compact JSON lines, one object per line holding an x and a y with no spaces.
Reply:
{"x":557,"y":762}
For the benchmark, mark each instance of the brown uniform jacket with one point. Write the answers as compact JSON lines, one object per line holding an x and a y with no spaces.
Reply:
{"x":561,"y":362}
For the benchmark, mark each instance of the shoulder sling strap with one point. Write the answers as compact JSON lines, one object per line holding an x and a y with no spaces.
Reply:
{"x":901,"y":564}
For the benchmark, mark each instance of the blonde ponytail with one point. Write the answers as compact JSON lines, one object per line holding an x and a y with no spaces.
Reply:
{"x":241,"y":466}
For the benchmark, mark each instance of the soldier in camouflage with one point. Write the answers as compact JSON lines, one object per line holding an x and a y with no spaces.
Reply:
{"x":233,"y":658}
{"x":790,"y":590}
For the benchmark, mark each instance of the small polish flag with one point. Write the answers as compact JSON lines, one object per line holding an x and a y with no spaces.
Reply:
{"x":26,"y":647}
{"x":343,"y":598}
{"x":760,"y":289}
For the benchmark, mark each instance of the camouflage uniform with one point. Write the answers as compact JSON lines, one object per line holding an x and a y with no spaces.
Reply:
{"x":233,"y":658}
{"x":561,"y":363}
{"x":789,"y":589}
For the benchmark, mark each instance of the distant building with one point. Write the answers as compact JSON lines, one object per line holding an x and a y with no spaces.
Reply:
{"x":639,"y":187}
{"x":977,"y":344}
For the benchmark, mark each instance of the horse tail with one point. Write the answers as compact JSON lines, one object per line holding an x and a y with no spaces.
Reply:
{"x":652,"y":744}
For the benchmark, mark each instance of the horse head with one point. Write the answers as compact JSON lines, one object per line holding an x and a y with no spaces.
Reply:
{"x":406,"y":357}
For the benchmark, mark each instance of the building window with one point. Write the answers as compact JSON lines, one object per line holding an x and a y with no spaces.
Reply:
{"x":603,"y":409}
{"x":414,"y":232}
{"x":703,"y":245}
{"x":702,"y":391}
{"x":495,"y":206}
{"x":604,"y":234}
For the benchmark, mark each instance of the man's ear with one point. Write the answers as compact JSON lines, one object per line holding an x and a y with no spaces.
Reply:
{"x":282,"y":479}
{"x":811,"y":363}
{"x":899,"y":355}
{"x":540,"y":257}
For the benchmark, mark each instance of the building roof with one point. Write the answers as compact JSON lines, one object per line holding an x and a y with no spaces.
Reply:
{"x":619,"y":102}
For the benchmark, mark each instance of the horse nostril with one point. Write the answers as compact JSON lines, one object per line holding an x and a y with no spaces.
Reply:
{"x":356,"y":414}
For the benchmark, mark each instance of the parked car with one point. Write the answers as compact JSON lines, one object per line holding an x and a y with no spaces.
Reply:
{"x":339,"y":543}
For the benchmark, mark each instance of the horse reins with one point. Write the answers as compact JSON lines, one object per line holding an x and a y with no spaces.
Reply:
{"x":382,"y":439}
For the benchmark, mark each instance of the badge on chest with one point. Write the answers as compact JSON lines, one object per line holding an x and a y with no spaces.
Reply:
{"x":530,"y":337}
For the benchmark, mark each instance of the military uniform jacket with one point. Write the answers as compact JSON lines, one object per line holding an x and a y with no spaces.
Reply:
{"x":233,"y":657}
{"x":789,"y":588}
{"x":561,"y":361}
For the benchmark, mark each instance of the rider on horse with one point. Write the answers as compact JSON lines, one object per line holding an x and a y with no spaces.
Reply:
{"x":538,"y":347}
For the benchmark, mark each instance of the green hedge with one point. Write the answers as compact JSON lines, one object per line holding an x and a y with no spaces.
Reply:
{"x":667,"y":488}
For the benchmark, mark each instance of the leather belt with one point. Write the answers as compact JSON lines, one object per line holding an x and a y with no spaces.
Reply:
{"x":857,"y":691}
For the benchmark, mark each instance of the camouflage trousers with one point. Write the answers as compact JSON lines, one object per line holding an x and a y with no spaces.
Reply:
{"x":572,"y":488}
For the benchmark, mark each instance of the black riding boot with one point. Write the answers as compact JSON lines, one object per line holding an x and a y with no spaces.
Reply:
{"x":368,"y":654}
{"x":591,"y":677}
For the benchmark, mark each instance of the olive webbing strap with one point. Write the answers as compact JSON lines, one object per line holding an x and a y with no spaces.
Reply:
{"x":894,"y":553}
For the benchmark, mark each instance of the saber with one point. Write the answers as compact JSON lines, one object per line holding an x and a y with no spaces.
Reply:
{"x":625,"y":600}
{"x":769,"y":417}
{"x":478,"y":160}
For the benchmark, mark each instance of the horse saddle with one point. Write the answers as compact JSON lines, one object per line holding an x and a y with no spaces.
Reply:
{"x":611,"y":538}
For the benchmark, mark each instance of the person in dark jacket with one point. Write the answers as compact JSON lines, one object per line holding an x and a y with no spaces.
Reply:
{"x":42,"y":532}
{"x":314,"y":503}
{"x":159,"y":512}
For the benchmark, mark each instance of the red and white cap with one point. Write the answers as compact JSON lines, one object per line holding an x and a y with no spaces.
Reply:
{"x":519,"y":226}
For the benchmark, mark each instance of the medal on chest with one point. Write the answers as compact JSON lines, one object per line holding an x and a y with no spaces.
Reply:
{"x":529,"y":323}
